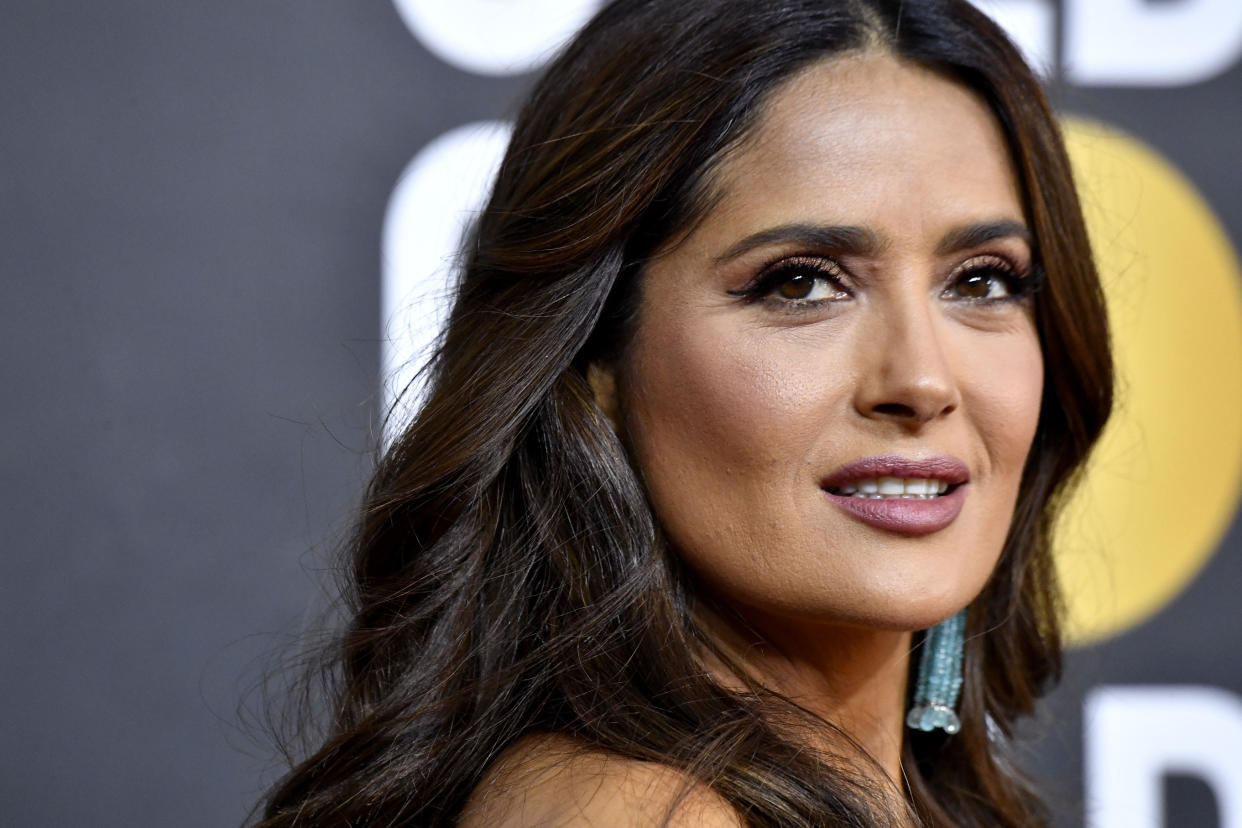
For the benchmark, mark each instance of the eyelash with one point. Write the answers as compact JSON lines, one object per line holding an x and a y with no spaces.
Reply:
{"x":1019,"y":284}
{"x":782,"y":271}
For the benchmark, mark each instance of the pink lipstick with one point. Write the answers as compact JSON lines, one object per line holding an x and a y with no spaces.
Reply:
{"x":896,"y":494}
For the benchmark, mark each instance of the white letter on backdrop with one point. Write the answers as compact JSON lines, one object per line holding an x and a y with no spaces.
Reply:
{"x":1135,"y":736}
{"x":488,"y":37}
{"x":1031,"y":25}
{"x":1143,"y":43}
{"x":439,"y":194}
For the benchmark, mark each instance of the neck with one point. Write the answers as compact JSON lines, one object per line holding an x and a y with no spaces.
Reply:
{"x":853,"y":677}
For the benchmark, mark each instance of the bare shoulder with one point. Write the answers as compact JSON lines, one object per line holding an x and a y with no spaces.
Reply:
{"x":552,"y":781}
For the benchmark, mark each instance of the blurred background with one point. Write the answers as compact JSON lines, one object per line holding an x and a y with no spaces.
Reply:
{"x":224,"y":231}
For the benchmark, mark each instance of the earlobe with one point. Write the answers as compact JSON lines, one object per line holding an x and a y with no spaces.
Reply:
{"x":603,"y":381}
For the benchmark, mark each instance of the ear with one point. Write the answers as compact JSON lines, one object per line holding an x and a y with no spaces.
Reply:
{"x":603,"y":381}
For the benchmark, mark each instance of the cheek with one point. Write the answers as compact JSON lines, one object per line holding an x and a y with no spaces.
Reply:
{"x":723,"y":398}
{"x":721,"y":422}
{"x":1005,"y":395}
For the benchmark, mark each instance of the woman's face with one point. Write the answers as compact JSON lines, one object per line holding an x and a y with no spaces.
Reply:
{"x":852,"y":314}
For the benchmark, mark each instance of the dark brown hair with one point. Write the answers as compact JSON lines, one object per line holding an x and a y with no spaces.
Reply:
{"x":507,"y":574}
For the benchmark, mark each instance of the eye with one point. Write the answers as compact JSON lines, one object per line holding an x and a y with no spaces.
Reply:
{"x":802,"y":280}
{"x":803,"y":286}
{"x":987,"y":279}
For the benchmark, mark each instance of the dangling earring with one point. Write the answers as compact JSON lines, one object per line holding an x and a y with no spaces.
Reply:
{"x":940,"y":677}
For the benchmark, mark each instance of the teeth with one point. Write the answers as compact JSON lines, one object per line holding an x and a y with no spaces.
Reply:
{"x":892,"y":486}
{"x":912,"y":488}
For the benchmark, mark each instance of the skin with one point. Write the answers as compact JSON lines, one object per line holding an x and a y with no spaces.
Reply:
{"x":736,"y":407}
{"x":551,"y":781}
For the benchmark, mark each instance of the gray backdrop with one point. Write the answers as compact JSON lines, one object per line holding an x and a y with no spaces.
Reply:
{"x":192,"y":203}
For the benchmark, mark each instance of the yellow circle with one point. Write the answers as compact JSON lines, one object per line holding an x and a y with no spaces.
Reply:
{"x":1164,"y":481}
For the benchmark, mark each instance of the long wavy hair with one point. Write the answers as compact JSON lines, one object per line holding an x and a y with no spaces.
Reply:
{"x":507,"y":576}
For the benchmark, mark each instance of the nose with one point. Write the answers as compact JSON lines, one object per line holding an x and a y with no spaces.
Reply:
{"x":906,"y":377}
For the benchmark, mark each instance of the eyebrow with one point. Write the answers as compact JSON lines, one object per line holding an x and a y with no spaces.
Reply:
{"x":973,"y":235}
{"x":847,"y":239}
{"x":853,"y":240}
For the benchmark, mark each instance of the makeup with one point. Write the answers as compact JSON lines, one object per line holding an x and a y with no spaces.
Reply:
{"x":850,"y":312}
{"x":896,"y":494}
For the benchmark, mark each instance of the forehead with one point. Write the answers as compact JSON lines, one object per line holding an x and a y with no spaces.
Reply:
{"x":869,"y":139}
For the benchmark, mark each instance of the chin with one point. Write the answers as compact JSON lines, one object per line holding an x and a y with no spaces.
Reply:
{"x":914,"y":618}
{"x":866,"y":609}
{"x":913,"y":606}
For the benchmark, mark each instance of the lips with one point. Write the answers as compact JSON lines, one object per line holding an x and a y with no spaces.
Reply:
{"x":895,"y":514}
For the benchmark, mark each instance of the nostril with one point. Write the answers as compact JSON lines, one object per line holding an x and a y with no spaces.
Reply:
{"x":896,"y":410}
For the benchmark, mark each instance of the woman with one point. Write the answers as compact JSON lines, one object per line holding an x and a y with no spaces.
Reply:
{"x":778,"y":342}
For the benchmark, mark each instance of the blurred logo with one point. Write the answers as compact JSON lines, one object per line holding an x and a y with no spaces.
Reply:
{"x":1164,"y":482}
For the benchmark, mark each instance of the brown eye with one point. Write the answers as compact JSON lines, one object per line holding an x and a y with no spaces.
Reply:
{"x":798,"y":282}
{"x":987,"y":279}
{"x":798,"y":286}
{"x":976,"y":284}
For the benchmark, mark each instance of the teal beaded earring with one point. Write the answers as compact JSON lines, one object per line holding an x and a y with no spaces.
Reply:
{"x":940,"y":677}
